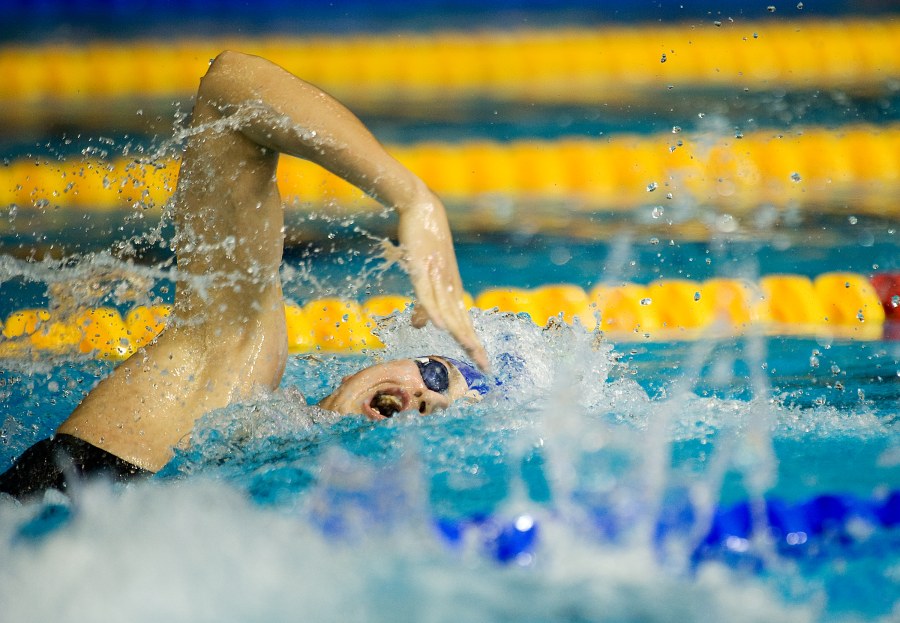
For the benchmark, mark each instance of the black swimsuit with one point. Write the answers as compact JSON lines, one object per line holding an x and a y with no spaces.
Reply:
{"x":56,"y":462}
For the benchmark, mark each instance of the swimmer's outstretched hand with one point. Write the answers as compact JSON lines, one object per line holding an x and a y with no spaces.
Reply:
{"x":431,"y":264}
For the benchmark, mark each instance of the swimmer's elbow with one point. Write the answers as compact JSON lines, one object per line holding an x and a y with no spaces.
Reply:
{"x":226,"y":69}
{"x":229,"y":60}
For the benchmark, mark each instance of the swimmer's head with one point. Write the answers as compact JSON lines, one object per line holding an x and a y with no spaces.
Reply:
{"x":424,"y":384}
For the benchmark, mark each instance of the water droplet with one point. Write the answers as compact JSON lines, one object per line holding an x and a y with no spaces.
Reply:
{"x":646,"y":301}
{"x":657,"y":211}
{"x":852,"y":220}
{"x":700,"y":115}
{"x":654,"y":241}
{"x":717,"y":23}
{"x":696,"y":296}
{"x":738,"y":134}
{"x":676,"y":129}
{"x":652,"y":186}
{"x":668,"y":196}
{"x":799,"y":6}
{"x":895,"y":300}
{"x":860,"y":316}
{"x":770,"y":8}
{"x":795,"y":177}
{"x":663,"y":58}
{"x":726,"y":223}
{"x":756,"y":35}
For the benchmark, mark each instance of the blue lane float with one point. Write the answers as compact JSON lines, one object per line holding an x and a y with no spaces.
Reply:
{"x":806,"y":528}
{"x":820,"y":527}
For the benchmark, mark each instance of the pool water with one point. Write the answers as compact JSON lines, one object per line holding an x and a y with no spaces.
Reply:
{"x":605,"y":482}
{"x":744,"y":478}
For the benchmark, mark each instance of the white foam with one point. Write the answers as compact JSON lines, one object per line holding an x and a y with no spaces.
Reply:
{"x":198,"y":551}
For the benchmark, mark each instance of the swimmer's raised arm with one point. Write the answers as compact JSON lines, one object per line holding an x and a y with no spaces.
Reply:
{"x":228,"y":334}
{"x":282,"y":113}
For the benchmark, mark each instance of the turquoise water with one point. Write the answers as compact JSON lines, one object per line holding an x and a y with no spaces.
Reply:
{"x":606,"y":482}
{"x":561,"y":498}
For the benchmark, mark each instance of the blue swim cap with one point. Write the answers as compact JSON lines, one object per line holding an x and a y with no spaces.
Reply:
{"x":475,"y":378}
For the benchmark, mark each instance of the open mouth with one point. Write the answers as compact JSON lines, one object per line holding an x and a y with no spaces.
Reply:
{"x":385,"y":403}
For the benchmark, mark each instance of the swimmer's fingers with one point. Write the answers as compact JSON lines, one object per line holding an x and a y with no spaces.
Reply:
{"x":450,"y":309}
{"x":431,"y":264}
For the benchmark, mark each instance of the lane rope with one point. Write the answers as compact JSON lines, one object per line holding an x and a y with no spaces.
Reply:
{"x":840,"y":304}
{"x":820,"y":168}
{"x":567,"y":65}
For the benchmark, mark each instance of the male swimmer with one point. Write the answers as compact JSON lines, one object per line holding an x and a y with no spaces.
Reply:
{"x":227,"y":336}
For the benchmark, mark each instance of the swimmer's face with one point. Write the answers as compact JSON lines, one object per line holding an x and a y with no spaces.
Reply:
{"x":422,"y":385}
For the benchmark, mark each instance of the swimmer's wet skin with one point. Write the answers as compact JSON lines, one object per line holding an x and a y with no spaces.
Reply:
{"x":424,"y":384}
{"x":228,"y":338}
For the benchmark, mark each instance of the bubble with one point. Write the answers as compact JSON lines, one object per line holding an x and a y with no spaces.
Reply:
{"x":895,"y":300}
{"x":652,"y":186}
{"x":646,"y":301}
{"x":663,"y":58}
{"x":560,"y":255}
{"x":658,"y":211}
{"x":676,"y":129}
{"x":795,"y":177}
{"x":852,"y":220}
{"x":726,"y":223}
{"x":696,"y":296}
{"x":770,"y":8}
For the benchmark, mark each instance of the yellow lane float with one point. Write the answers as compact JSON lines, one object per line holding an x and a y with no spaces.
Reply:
{"x":842,"y":305}
{"x":821,"y":168}
{"x":564,"y":65}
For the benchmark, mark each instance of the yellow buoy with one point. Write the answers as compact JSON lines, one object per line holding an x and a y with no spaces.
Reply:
{"x":625,"y":309}
{"x":145,"y":323}
{"x":850,"y":303}
{"x":339,"y":325}
{"x":24,"y":322}
{"x":791,"y":303}
{"x":569,"y":300}
{"x":104,"y":333}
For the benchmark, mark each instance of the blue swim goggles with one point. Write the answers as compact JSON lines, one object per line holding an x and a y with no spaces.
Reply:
{"x":437,"y":378}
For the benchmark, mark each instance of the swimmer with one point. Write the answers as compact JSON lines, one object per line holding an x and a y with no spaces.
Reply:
{"x":227,"y":337}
